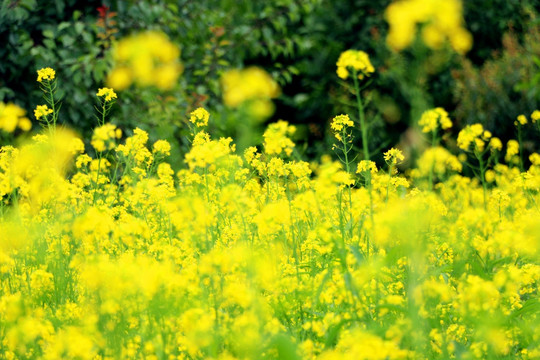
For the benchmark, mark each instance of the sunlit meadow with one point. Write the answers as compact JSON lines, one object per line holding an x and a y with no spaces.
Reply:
{"x":107,"y":252}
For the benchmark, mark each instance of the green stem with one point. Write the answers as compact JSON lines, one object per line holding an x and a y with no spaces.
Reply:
{"x":483,"y":167}
{"x":361,"y":116}
{"x":520,"y":140}
{"x":433,"y":141}
{"x":52,"y":104}
{"x":348,"y":169}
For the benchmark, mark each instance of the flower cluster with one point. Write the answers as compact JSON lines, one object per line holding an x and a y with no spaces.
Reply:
{"x":241,"y":255}
{"x":276,"y":138}
{"x":107,"y":93}
{"x":47,"y":74}
{"x":199,"y":117}
{"x":340,"y":123}
{"x":253,"y":87}
{"x":393,"y":156}
{"x":260,"y":255}
{"x":442,"y":20}
{"x":434,"y":119}
{"x":13,"y":117}
{"x":105,"y":136}
{"x":146,"y":59}
{"x":42,"y":111}
{"x":357,"y":61}
{"x":474,"y":135}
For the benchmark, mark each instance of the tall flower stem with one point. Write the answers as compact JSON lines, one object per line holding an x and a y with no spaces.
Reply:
{"x":361,"y":115}
{"x":365,"y":145}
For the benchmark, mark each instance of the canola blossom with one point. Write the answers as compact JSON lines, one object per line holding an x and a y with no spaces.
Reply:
{"x":12,"y":117}
{"x":199,"y":117}
{"x":111,"y":253}
{"x":356,"y":60}
{"x":248,"y":256}
{"x":441,"y":20}
{"x":434,"y":119}
{"x":252,"y":88}
{"x":145,"y":59}
{"x":107,"y":93}
{"x":46,"y":74}
{"x":42,"y":111}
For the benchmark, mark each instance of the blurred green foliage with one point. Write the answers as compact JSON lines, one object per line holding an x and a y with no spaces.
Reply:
{"x":297,"y":41}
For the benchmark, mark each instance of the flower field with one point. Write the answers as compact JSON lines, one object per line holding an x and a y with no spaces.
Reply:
{"x":107,"y":251}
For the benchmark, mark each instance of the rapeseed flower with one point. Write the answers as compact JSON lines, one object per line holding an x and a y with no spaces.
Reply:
{"x":276,"y":252}
{"x":356,"y":60}
{"x":199,"y":117}
{"x":146,"y":59}
{"x":12,"y":117}
{"x":46,"y":74}
{"x":393,"y":156}
{"x":433,"y":119}
{"x":252,"y":85}
{"x":442,"y":20}
{"x":107,"y":93}
{"x":42,"y":111}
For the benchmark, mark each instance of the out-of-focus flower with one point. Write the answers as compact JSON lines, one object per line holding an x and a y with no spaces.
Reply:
{"x":146,"y":59}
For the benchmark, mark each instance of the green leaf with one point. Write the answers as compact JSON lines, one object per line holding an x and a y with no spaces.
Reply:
{"x":48,"y":33}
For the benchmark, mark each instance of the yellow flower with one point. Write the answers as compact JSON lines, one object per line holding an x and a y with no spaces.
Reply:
{"x":108,"y":93}
{"x":469,"y":135}
{"x":495,"y":143}
{"x":431,"y":119}
{"x":443,"y":21}
{"x":162,"y":147}
{"x":199,"y":117}
{"x":276,"y":138}
{"x":248,"y":84}
{"x":146,"y":59}
{"x":512,"y":148}
{"x":366,"y":166}
{"x":104,"y":137}
{"x":354,"y":59}
{"x":46,"y":74}
{"x":12,"y":116}
{"x":42,"y":110}
{"x":521,"y":119}
{"x":393,"y":156}
{"x":535,"y":116}
{"x":341,"y":121}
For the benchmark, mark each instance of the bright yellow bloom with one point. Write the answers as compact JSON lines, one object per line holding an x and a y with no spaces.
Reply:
{"x":366,"y":166}
{"x":443,"y":21}
{"x":431,"y":119}
{"x":146,"y":59}
{"x":393,"y":156}
{"x":199,"y":117}
{"x":354,"y":59}
{"x":108,"y":93}
{"x":535,"y":116}
{"x":104,"y":137}
{"x":162,"y":147}
{"x":341,"y":121}
{"x":495,"y":143}
{"x":248,"y":84}
{"x":13,"y":116}
{"x":512,"y":148}
{"x":471,"y":134}
{"x":42,"y":110}
{"x":522,"y":120}
{"x":46,"y":74}
{"x":276,"y":138}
